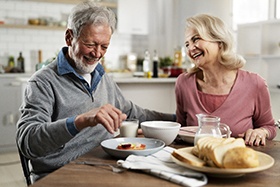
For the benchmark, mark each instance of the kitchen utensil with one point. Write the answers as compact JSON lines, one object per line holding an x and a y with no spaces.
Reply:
{"x":152,"y":146}
{"x":266,"y":161}
{"x":163,"y":130}
{"x":129,"y":128}
{"x":187,"y":134}
{"x":210,"y":126}
{"x":114,"y":168}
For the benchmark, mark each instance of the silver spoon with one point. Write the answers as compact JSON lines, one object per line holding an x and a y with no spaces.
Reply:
{"x":114,"y":169}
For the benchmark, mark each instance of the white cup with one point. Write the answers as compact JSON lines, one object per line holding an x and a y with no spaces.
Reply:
{"x":129,"y":128}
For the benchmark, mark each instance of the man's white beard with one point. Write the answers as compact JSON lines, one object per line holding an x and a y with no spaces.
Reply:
{"x":84,"y":68}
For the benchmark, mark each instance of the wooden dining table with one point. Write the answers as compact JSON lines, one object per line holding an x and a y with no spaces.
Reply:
{"x":74,"y":174}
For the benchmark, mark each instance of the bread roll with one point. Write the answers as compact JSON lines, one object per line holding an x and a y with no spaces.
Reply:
{"x":241,"y":157}
{"x":217,"y":154}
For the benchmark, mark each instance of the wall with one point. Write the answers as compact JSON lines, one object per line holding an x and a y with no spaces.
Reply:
{"x":29,"y":41}
{"x":167,"y":20}
{"x":166,"y":28}
{"x":219,"y":8}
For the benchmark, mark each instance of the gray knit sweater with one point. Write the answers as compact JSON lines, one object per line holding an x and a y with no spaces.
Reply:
{"x":51,"y":98}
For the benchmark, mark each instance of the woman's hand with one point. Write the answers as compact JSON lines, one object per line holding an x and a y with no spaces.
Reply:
{"x":107,"y":115}
{"x":255,"y":136}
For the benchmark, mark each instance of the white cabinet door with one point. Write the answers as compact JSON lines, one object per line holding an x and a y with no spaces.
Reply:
{"x":259,"y":44}
{"x":153,"y":96}
{"x":11,"y":97}
{"x":133,"y":17}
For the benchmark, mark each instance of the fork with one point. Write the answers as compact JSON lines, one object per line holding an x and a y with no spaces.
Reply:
{"x":114,"y":169}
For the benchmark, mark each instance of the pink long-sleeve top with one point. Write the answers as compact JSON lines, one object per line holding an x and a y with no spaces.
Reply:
{"x":247,"y":106}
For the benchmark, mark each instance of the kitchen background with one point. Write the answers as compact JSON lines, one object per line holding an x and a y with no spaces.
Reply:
{"x":142,"y":24}
{"x":153,"y":25}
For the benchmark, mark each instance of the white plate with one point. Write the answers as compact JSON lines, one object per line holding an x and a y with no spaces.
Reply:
{"x":187,"y":133}
{"x":265,"y":160}
{"x":152,"y":146}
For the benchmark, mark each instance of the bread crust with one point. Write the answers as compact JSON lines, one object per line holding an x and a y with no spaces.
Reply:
{"x":187,"y":157}
{"x":241,"y":157}
{"x":219,"y":152}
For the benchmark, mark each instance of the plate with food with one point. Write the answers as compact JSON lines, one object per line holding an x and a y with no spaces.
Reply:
{"x":123,"y":147}
{"x":220,"y":157}
{"x":187,"y":133}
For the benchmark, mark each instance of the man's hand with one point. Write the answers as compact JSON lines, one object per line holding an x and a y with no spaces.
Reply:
{"x":109,"y":116}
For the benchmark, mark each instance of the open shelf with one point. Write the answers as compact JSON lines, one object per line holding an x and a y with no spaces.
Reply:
{"x":104,"y":3}
{"x":42,"y":27}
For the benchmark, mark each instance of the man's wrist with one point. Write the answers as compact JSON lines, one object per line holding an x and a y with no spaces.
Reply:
{"x":71,"y":127}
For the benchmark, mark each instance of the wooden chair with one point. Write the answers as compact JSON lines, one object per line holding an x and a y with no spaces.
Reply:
{"x":25,"y":167}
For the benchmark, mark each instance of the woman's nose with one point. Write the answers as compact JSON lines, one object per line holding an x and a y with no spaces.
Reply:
{"x":191,"y":46}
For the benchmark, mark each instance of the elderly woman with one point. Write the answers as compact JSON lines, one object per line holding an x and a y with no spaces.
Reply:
{"x":217,"y":86}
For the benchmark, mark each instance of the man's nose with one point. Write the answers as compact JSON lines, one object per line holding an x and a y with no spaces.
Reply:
{"x":96,"y":52}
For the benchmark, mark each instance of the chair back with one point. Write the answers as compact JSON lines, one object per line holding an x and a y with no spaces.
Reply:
{"x":25,"y":167}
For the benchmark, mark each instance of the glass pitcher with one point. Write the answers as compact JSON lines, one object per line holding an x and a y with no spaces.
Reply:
{"x":210,"y":126}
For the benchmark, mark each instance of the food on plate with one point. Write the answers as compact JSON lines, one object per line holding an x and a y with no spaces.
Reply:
{"x":241,"y":157}
{"x":219,"y":152}
{"x":186,"y":156}
{"x":131,"y":146}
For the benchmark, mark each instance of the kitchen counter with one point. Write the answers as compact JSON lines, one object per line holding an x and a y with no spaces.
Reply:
{"x":154,"y":93}
{"x":25,"y":77}
{"x":15,"y":75}
{"x":144,"y":80}
{"x":150,"y":93}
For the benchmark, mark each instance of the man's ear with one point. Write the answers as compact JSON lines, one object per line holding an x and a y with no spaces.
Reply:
{"x":68,"y":37}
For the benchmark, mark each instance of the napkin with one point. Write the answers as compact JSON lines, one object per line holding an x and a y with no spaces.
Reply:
{"x":160,"y":164}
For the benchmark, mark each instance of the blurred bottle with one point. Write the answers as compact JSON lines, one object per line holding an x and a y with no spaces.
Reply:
{"x":39,"y":65}
{"x":155,"y":64}
{"x":11,"y":62}
{"x":178,"y":56}
{"x":146,"y":64}
{"x":20,"y":63}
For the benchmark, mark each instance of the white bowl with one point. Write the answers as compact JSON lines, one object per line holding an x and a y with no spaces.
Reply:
{"x":163,"y":130}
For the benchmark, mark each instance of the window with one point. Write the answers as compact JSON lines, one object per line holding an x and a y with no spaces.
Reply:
{"x":277,"y":10}
{"x":248,"y":11}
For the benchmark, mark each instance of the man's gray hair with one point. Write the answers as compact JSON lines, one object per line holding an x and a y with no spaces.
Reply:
{"x":88,"y":13}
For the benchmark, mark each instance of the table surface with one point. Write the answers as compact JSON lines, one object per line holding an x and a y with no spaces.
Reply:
{"x":74,"y":174}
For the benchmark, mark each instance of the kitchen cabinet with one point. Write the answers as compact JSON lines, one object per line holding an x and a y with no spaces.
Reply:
{"x":259,"y":44}
{"x":133,"y":17}
{"x":154,"y":94}
{"x":11,"y":98}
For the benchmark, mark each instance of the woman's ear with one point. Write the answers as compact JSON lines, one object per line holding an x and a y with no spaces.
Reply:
{"x":68,"y":37}
{"x":220,"y":45}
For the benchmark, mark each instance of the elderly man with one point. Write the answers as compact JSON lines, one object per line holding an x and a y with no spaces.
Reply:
{"x":71,"y":105}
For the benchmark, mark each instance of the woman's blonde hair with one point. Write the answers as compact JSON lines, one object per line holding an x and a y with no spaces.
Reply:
{"x":213,"y":29}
